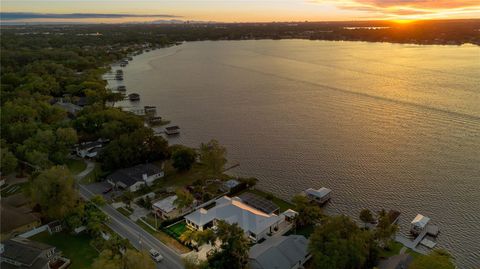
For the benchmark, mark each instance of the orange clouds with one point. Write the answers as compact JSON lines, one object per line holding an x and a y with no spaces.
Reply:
{"x":416,"y":9}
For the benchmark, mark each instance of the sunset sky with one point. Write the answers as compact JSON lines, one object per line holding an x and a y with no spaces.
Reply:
{"x":238,"y":10}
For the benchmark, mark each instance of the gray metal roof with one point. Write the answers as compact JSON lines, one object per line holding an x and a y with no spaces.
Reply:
{"x":280,"y":252}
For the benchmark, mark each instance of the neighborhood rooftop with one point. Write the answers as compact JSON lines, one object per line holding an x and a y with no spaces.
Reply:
{"x":279,"y":252}
{"x":167,"y":204}
{"x":233,"y":210}
{"x":131,"y":175}
{"x":25,"y":252}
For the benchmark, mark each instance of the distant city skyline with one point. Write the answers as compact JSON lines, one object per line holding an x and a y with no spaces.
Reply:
{"x":109,"y":11}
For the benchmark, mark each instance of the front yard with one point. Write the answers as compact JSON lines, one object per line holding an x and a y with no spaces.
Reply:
{"x":165,"y":238}
{"x":77,"y":248}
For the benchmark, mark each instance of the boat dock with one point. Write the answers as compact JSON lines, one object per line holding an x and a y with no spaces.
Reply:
{"x":421,"y":227}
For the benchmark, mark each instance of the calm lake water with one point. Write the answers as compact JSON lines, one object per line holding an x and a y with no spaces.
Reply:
{"x":383,"y":125}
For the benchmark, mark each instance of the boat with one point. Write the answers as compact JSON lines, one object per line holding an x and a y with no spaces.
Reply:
{"x":134,"y":97}
{"x":172,"y":130}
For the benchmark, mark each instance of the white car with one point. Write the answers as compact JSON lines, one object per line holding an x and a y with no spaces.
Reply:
{"x":155,"y":255}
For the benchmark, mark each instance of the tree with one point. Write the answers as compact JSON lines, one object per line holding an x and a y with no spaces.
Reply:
{"x":308,"y":213}
{"x":385,"y":229}
{"x":8,"y":161}
{"x":98,"y":200}
{"x":184,"y":198}
{"x":53,"y":190}
{"x":340,"y":243}
{"x":366,"y":216}
{"x":437,"y":259}
{"x":183,"y":158}
{"x":233,"y":252}
{"x":128,"y":197}
{"x":212,"y":154}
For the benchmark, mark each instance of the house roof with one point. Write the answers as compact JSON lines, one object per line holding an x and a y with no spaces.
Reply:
{"x":25,"y":251}
{"x":69,"y":107}
{"x":90,"y":145}
{"x":420,"y":220}
{"x":279,"y":252}
{"x":320,"y":193}
{"x":12,"y":218}
{"x":166,"y":205}
{"x":233,"y":210}
{"x":259,"y":202}
{"x":134,"y":174}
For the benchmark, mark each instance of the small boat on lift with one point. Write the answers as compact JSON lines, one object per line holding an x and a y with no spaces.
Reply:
{"x":134,"y":97}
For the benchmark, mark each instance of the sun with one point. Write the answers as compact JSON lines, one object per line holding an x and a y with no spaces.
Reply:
{"x":403,"y":21}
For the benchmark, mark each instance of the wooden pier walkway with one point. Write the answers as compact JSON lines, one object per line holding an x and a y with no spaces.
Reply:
{"x":412,"y":244}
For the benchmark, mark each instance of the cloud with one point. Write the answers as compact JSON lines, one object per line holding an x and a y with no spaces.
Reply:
{"x":407,"y":8}
{"x":12,"y":16}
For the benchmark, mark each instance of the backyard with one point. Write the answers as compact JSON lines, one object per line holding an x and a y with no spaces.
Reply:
{"x":76,"y":166}
{"x":177,"y":229}
{"x":77,"y":248}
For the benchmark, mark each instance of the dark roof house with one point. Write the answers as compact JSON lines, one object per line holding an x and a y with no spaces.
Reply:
{"x":23,"y":253}
{"x":128,"y":177}
{"x":280,"y":252}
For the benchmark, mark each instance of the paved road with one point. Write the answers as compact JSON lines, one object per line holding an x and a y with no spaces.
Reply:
{"x":138,"y":237}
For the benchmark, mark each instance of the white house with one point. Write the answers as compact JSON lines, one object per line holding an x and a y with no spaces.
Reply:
{"x":133,"y":178}
{"x":256,"y":224}
{"x":280,"y":252}
{"x":166,"y":208}
{"x":90,"y":149}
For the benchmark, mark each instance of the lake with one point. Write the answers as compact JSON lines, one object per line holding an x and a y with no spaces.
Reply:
{"x":383,"y":125}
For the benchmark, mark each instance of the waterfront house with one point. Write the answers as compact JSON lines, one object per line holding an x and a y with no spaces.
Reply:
{"x":22,"y":253}
{"x":133,"y":178}
{"x":256,"y":224}
{"x":320,"y":196}
{"x":171,"y":130}
{"x":419,"y":224}
{"x":280,"y":252}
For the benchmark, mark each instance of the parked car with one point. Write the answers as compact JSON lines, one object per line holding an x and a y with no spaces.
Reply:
{"x":155,"y":255}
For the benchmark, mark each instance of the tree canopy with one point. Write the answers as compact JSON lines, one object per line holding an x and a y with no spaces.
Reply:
{"x":212,"y":154}
{"x":183,"y":157}
{"x":53,"y":190}
{"x":340,"y":243}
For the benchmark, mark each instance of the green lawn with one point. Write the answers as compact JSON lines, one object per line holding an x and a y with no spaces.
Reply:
{"x":14,"y":189}
{"x":393,"y":250}
{"x":76,"y":166}
{"x":77,"y":248}
{"x":284,"y":205}
{"x":178,"y":229}
{"x":197,"y":172}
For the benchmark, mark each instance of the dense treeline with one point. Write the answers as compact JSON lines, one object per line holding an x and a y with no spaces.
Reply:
{"x":37,"y":67}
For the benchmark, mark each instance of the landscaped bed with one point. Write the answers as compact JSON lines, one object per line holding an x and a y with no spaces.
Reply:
{"x":77,"y":248}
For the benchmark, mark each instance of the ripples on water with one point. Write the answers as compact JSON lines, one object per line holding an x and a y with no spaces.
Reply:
{"x":383,"y":125}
